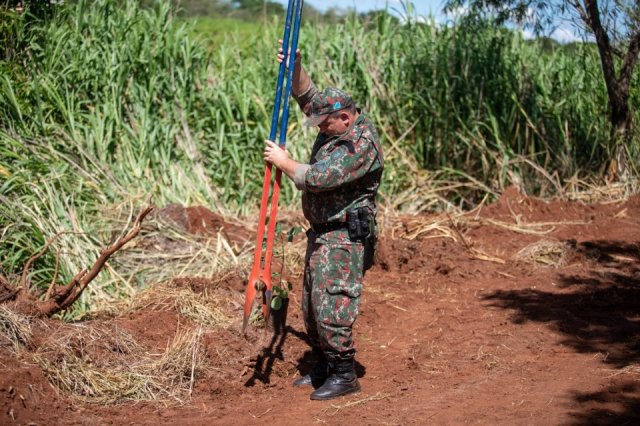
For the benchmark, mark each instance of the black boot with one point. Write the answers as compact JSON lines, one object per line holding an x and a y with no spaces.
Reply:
{"x":342,"y":380}
{"x":318,"y":373}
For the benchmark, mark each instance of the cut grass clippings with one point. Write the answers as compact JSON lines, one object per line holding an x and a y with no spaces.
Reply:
{"x":14,"y":328}
{"x":204,"y":309}
{"x":545,"y":253}
{"x":108,"y":366}
{"x":336,"y":408}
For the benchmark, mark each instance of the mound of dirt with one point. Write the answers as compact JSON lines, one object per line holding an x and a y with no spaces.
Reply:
{"x":515,"y":206}
{"x":199,"y":220}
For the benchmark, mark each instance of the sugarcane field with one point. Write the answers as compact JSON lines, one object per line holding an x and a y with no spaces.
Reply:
{"x":319,"y":212}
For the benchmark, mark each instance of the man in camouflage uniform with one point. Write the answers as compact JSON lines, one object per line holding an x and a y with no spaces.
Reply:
{"x":339,"y":186}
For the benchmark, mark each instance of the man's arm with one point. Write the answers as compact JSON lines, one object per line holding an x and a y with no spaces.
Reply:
{"x":290,"y":167}
{"x":301,"y":81}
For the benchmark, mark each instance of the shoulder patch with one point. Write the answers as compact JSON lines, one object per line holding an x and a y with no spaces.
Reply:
{"x":321,"y":166}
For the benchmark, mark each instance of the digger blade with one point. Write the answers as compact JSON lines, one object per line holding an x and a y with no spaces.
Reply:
{"x":245,"y":321}
{"x":248,"y":303}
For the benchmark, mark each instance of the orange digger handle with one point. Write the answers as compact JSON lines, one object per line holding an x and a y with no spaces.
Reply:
{"x":260,"y":276}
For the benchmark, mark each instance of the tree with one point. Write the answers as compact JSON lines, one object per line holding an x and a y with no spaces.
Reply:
{"x":615,"y":27}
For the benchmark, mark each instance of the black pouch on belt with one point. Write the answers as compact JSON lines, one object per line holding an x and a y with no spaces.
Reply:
{"x":362,"y":227}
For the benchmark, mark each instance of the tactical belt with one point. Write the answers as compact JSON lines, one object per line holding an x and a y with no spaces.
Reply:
{"x":321,"y":228}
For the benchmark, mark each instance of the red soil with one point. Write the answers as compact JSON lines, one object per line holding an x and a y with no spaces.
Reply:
{"x":201,"y":221}
{"x":443,"y":337}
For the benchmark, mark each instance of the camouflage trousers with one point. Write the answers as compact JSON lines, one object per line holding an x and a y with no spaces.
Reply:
{"x":331,"y":294}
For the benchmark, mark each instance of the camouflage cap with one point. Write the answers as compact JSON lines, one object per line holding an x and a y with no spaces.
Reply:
{"x":330,"y":100}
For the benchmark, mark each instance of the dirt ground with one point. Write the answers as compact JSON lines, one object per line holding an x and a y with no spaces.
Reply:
{"x":458,"y":325}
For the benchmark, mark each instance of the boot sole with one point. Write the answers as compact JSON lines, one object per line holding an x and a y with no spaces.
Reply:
{"x":337,"y":395}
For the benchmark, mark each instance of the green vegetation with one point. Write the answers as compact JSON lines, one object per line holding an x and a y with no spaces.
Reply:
{"x":106,"y":103}
{"x":218,"y":31}
{"x":251,"y":10}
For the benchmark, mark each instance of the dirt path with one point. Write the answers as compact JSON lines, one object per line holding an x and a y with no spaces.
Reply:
{"x":453,"y":330}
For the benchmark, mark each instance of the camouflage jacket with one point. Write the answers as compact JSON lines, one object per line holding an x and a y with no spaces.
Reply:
{"x":344,"y":172}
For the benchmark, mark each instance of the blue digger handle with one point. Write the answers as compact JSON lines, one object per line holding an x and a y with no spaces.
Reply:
{"x":292,"y":60}
{"x":283,"y":66}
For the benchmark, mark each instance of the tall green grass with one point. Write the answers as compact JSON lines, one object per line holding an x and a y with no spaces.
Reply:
{"x":100,"y":110}
{"x":107,"y":103}
{"x":481,"y":98}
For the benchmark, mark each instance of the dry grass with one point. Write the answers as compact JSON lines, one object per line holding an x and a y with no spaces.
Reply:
{"x":454,"y":227}
{"x":489,"y":360}
{"x":336,"y":408}
{"x":539,"y":228}
{"x":632,"y":370}
{"x":451,"y":225}
{"x":14,"y":328}
{"x":589,"y":192}
{"x":427,"y":357}
{"x":479,"y":254}
{"x":411,"y":227}
{"x":163,"y":253}
{"x":545,"y":253}
{"x":108,"y":366}
{"x":424,"y":228}
{"x":204,"y":308}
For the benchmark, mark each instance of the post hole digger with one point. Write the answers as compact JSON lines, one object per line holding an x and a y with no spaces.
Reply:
{"x":260,"y":277}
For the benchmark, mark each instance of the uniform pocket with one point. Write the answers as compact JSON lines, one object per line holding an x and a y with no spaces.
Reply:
{"x":342,"y":287}
{"x":339,"y":306}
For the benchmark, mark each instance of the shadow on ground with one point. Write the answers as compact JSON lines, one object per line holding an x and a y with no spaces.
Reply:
{"x":615,"y":405}
{"x":263,"y":365}
{"x":600,"y":313}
